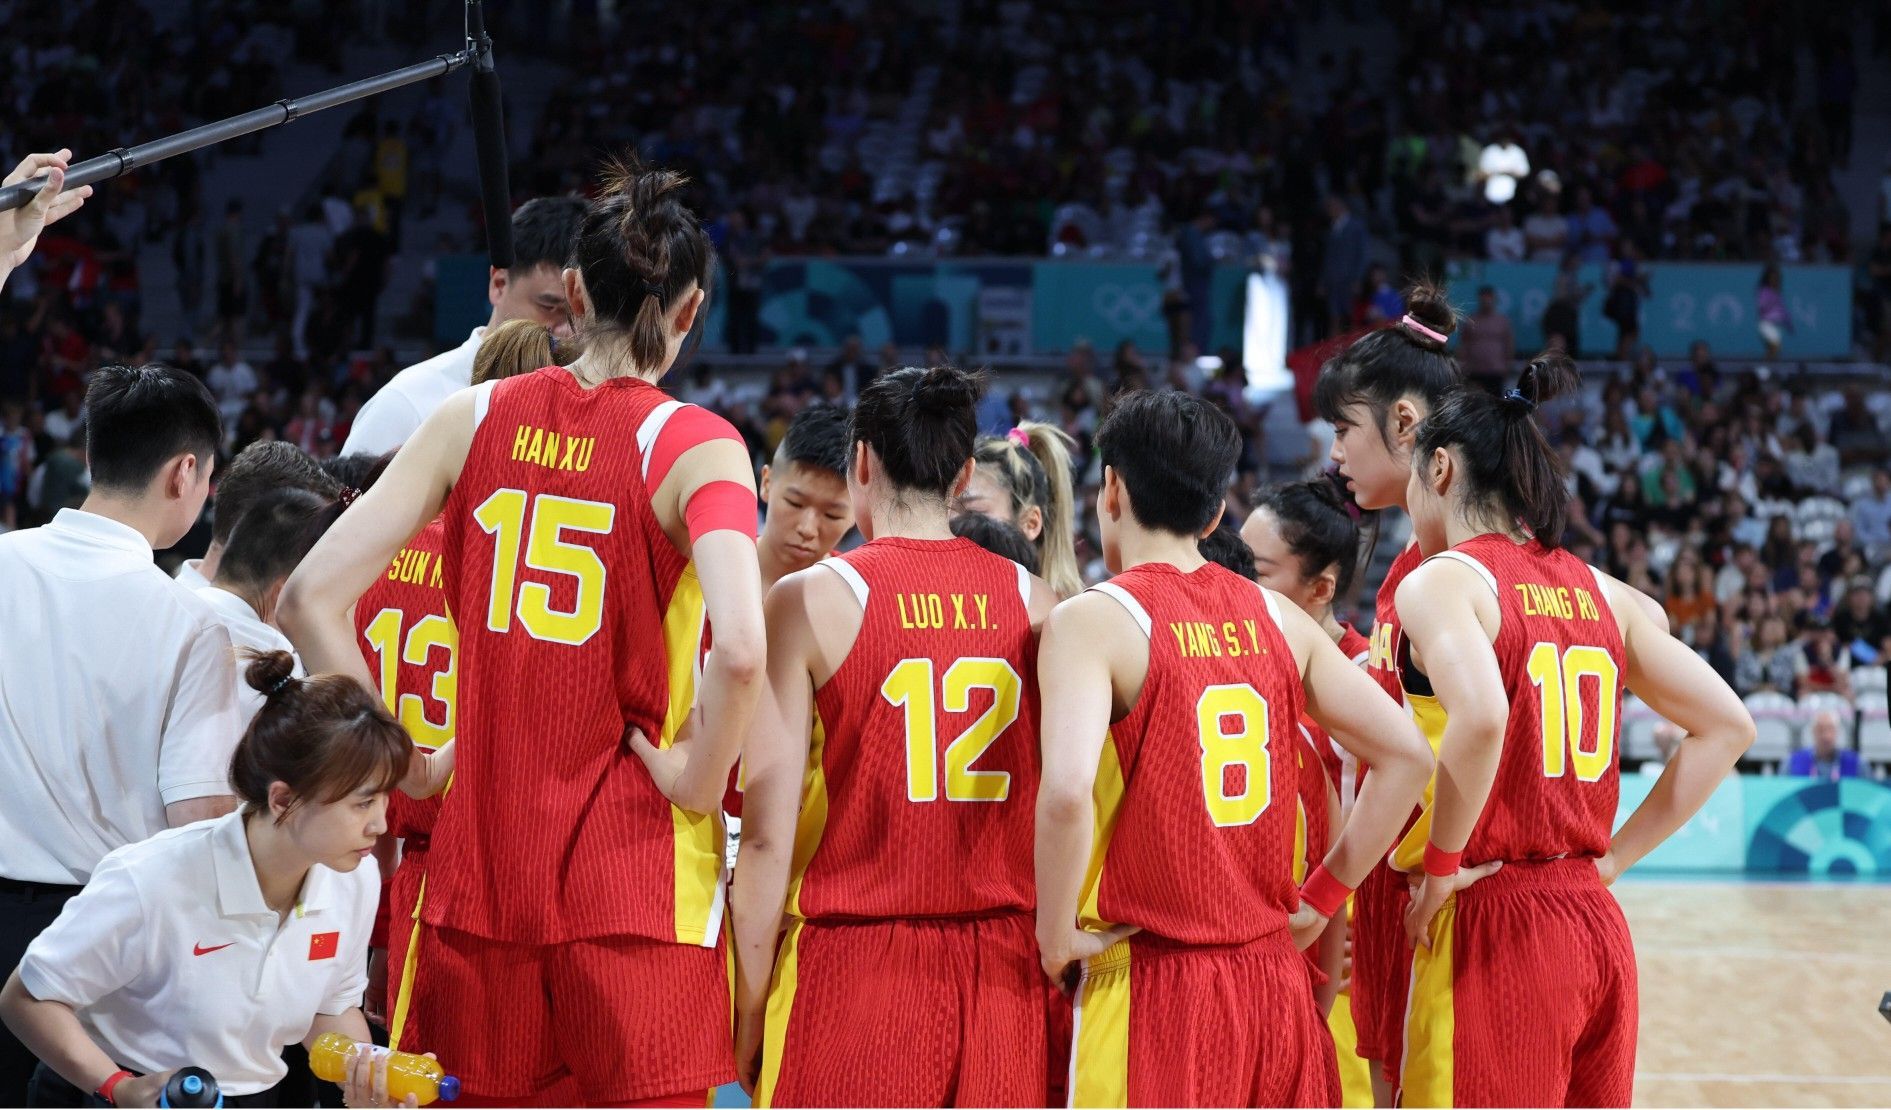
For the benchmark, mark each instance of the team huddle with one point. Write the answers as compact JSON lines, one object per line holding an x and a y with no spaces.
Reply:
{"x":1180,"y":838}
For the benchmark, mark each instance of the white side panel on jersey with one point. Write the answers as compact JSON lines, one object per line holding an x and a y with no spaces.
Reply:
{"x":1273,"y":607}
{"x":1602,"y":590}
{"x":1126,"y":601}
{"x":482,"y":400}
{"x":850,"y":576}
{"x":1024,"y":587}
{"x":1482,"y":570}
{"x":652,"y":428}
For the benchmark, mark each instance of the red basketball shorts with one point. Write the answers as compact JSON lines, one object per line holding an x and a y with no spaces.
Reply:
{"x":403,"y":893}
{"x":1526,"y":996}
{"x":613,"y":1020}
{"x":929,"y":1012}
{"x":1166,"y":1024}
{"x":1382,"y":962}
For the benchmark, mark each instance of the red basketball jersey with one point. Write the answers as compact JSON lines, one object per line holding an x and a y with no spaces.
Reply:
{"x":1383,"y":650}
{"x":578,"y":619}
{"x":1354,"y":646}
{"x":1198,"y":787}
{"x":1561,"y":655}
{"x":1313,"y":830}
{"x":921,"y":789}
{"x":408,"y":638}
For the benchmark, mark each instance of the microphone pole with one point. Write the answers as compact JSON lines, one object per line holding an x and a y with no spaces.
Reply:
{"x":489,"y":139}
{"x":125,"y":159}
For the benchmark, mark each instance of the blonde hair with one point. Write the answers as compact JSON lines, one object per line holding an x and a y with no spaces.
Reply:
{"x":517,"y":347}
{"x":1036,"y":471}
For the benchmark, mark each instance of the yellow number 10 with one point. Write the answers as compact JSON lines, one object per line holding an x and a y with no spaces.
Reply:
{"x":1559,"y":675}
{"x":910,"y":685}
{"x":1232,"y":721}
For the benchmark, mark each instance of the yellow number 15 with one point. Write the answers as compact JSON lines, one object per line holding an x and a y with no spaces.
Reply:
{"x":1560,"y":675}
{"x":546,"y":549}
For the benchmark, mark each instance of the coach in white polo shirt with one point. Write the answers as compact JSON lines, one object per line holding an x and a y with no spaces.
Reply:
{"x":218,"y":944}
{"x":117,"y":716}
{"x":543,"y":232}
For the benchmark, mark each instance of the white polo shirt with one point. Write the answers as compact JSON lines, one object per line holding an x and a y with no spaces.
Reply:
{"x":171,"y":957}
{"x":394,"y":414}
{"x":115,"y":696}
{"x":190,"y":574}
{"x":247,"y":630}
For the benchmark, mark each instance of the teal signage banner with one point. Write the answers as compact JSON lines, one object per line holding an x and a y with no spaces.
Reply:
{"x":1685,"y":302}
{"x":1777,"y":824}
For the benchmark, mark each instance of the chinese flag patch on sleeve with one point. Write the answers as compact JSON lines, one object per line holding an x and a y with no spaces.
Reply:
{"x":323,"y":946}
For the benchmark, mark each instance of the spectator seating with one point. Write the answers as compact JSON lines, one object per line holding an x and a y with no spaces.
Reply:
{"x":1777,"y":719}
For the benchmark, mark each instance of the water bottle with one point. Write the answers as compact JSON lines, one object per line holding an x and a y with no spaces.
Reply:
{"x":191,"y":1087}
{"x":407,"y":1074}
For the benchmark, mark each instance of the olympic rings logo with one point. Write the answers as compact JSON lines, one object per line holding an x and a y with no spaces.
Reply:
{"x":1126,"y":308}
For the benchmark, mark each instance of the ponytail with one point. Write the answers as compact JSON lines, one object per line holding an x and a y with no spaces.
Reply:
{"x":1506,"y":461}
{"x":1404,"y":359}
{"x":639,"y":249}
{"x":1050,"y":449}
{"x":518,"y":347}
{"x":922,"y":424}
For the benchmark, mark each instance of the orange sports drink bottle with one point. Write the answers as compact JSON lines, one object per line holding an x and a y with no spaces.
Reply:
{"x":407,"y":1074}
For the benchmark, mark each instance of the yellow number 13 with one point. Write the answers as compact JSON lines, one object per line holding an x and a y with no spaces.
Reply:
{"x":1559,"y":675}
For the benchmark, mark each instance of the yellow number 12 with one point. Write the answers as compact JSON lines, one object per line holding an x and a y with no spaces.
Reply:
{"x":910,"y":686}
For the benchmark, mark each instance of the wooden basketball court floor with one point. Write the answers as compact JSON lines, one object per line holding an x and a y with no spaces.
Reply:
{"x":1761,"y":993}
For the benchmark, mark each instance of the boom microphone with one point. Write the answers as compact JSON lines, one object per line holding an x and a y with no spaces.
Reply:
{"x":489,"y":140}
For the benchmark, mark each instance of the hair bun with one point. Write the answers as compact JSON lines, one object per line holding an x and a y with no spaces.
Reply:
{"x":270,"y":672}
{"x":944,"y":390}
{"x":1429,"y":305}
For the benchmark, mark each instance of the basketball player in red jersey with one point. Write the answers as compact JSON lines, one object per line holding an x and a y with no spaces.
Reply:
{"x":808,"y":512}
{"x":574,"y":891}
{"x":1307,"y":548}
{"x":1523,"y":988}
{"x":1172,"y":700}
{"x":898,"y":834}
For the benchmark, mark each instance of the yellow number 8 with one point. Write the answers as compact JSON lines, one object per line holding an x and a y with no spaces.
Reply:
{"x":1244,"y":745}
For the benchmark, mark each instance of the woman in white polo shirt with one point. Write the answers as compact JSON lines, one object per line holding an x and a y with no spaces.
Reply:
{"x":218,"y":943}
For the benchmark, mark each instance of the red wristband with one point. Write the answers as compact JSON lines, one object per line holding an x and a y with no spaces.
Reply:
{"x":1323,"y":892}
{"x":1440,"y":862}
{"x":107,"y":1089}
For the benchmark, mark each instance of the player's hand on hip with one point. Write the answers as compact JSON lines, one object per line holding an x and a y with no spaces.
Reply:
{"x":1306,"y":925}
{"x":1065,"y":952}
{"x":1429,"y":894}
{"x":749,"y":1027}
{"x":666,"y":765}
{"x":1608,"y":868}
{"x":429,"y":772}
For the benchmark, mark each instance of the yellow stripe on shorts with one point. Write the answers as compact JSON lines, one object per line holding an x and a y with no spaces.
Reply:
{"x":1430,"y":1022}
{"x":780,"y":1006}
{"x":1099,"y":1053}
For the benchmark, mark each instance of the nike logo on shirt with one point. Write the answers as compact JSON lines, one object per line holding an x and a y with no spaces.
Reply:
{"x":200,"y":950}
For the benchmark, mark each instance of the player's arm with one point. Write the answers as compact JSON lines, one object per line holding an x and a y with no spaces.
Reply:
{"x":1679,"y":685}
{"x":706,"y":503}
{"x":1042,"y":601}
{"x":1090,"y":646}
{"x":1656,"y":613}
{"x":1349,"y":705}
{"x":1332,"y":941}
{"x":774,"y":766}
{"x":1451,"y":618}
{"x":317,"y":599}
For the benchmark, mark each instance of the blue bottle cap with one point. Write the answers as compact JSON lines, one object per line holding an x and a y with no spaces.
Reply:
{"x":449,"y":1087}
{"x":192,"y":1085}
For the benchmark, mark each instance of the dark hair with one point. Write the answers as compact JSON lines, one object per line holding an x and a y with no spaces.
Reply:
{"x":138,"y":419}
{"x":1506,"y":461}
{"x":325,"y":737}
{"x":1175,"y":453}
{"x":818,"y":437}
{"x":357,"y":472}
{"x":1316,"y":526}
{"x":274,"y":535}
{"x":997,"y":537}
{"x":260,"y":468}
{"x":1393,"y":362}
{"x":1037,"y":472}
{"x":1225,"y":547}
{"x":544,"y":231}
{"x":922,"y":424}
{"x":638,"y":248}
